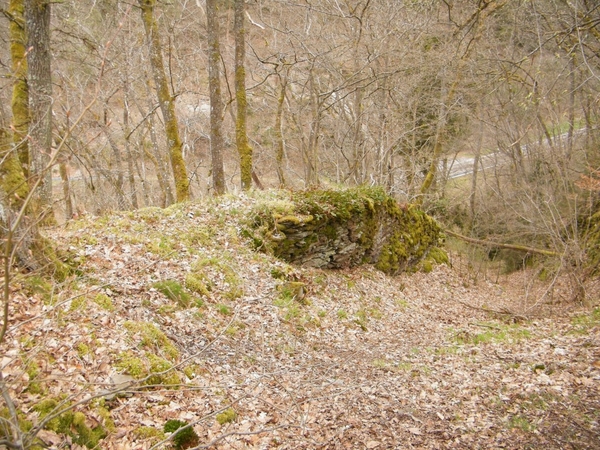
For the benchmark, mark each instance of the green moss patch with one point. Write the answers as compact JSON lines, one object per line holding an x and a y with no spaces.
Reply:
{"x":70,"y":423}
{"x":183,"y":435}
{"x":173,"y":290}
{"x":227,"y":416}
{"x":148,"y":336}
{"x":154,"y":369}
{"x":584,"y":322}
{"x":492,"y":332}
{"x":150,"y":434}
{"x":104,"y":302}
{"x":210,"y":271}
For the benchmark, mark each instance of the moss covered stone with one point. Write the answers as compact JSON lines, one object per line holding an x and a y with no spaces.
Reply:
{"x":338,"y":229}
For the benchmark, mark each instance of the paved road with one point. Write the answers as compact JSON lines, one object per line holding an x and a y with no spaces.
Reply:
{"x":463,"y":166}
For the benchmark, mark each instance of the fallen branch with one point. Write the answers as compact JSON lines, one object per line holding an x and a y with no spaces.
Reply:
{"x":520,"y":248}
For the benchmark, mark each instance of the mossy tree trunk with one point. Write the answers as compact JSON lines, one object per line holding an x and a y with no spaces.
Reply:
{"x":39,"y":80}
{"x":12,"y":179}
{"x":217,"y":144}
{"x":14,"y":159}
{"x":20,"y":95}
{"x":166,"y":101}
{"x":241,"y":136}
{"x":20,"y":238}
{"x":19,"y":233}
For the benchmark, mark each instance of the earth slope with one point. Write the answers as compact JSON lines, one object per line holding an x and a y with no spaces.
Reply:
{"x":355,"y":359}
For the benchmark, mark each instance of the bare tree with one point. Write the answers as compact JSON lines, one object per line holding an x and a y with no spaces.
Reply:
{"x":166,"y":101}
{"x":217,"y":144}
{"x":241,"y":136}
{"x":39,"y":78}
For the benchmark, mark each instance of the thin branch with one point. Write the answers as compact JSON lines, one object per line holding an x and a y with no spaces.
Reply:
{"x":520,"y":248}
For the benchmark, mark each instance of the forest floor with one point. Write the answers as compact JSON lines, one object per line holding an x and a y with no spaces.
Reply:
{"x":357,"y":359}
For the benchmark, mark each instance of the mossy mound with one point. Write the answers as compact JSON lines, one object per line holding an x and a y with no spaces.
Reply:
{"x":339,"y":229}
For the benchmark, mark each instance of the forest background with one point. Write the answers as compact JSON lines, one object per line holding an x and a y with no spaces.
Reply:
{"x":482,"y":112}
{"x":145,"y":103}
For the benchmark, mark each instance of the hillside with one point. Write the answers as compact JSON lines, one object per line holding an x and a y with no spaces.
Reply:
{"x":257,"y":353}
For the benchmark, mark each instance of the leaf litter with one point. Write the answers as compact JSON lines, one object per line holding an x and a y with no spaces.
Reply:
{"x":436,"y":360}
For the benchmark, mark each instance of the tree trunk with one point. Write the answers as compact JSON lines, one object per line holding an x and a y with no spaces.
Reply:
{"x":128,"y":152}
{"x":12,"y":180}
{"x":311,"y":154}
{"x":66,"y":186}
{"x":37,"y":18}
{"x":166,"y":101}
{"x":20,"y":94}
{"x":241,"y":136}
{"x":154,"y":156}
{"x":159,"y":164}
{"x":473,"y":196}
{"x":279,"y":146}
{"x":116,"y":174}
{"x":217,"y":144}
{"x":19,"y":235}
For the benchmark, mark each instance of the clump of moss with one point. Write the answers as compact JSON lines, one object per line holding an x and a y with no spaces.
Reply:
{"x":35,"y":385}
{"x":293,"y":290}
{"x":90,"y":437}
{"x":163,"y":372}
{"x":70,"y":423}
{"x":150,"y":434}
{"x":83,"y":349}
{"x":5,"y":428}
{"x":161,"y":246}
{"x":184,"y":435}
{"x":434,"y":256}
{"x":278,"y":273}
{"x":495,"y":332}
{"x":224,"y":269}
{"x":197,"y":283}
{"x":582,"y":323}
{"x":227,"y":416}
{"x":38,"y":285}
{"x":157,"y":370}
{"x":104,"y":302}
{"x":224,"y":309}
{"x":151,"y":338}
{"x":173,"y":290}
{"x":132,"y":365}
{"x":104,"y":413}
{"x":78,"y":304}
